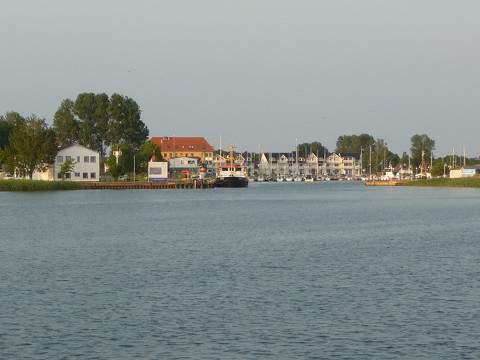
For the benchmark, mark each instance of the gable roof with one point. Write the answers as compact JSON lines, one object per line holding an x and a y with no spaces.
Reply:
{"x":182,"y":143}
{"x":77,"y":145}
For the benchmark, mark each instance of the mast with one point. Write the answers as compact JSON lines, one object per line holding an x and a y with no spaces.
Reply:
{"x":361,"y":161}
{"x":324,"y":161}
{"x":296,"y":157}
{"x":370,"y":161}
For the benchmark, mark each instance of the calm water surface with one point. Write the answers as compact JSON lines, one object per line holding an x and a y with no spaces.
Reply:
{"x":280,"y":271}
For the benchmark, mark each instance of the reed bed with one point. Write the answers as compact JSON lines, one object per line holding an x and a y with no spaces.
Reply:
{"x":37,"y":185}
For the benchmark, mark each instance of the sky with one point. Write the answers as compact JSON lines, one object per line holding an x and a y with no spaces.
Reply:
{"x":258,"y":73}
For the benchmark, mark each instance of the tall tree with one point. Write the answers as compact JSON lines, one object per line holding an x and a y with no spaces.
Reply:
{"x":66,"y":126}
{"x":8,"y":123}
{"x":421,"y":146}
{"x":314,"y":147}
{"x":32,"y":147}
{"x":353,"y":144}
{"x":125,"y":123}
{"x":92,"y":112}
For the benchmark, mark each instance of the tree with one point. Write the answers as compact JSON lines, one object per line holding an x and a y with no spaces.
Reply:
{"x":314,"y":147}
{"x":353,"y":144}
{"x":92,"y":112}
{"x":113,"y":168}
{"x":8,"y":122}
{"x":438,"y":168}
{"x":97,"y":122}
{"x":422,"y":146}
{"x":144,"y":154}
{"x":32,"y":147}
{"x":67,"y":167}
{"x":125,"y":124}
{"x":66,"y":126}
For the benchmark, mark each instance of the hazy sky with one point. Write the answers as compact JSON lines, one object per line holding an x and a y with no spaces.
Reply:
{"x":261,"y":73}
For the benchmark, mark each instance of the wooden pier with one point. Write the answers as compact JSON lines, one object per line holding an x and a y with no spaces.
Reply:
{"x":170,"y":184}
{"x":384,"y":182}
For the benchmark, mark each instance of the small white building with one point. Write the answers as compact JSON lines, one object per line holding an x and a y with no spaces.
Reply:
{"x":157,"y":170}
{"x":86,"y":163}
{"x":466,"y":171}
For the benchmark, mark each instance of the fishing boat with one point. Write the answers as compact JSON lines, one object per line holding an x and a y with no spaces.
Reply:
{"x":231,"y":174}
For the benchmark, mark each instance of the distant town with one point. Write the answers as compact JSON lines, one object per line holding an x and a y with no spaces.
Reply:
{"x":97,"y":137}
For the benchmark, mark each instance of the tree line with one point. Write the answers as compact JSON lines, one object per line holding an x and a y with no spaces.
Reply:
{"x":96,"y":121}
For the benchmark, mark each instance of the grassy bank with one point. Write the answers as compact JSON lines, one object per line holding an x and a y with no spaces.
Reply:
{"x":37,"y":185}
{"x":473,"y":182}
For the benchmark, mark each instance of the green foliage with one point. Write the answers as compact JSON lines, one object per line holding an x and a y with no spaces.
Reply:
{"x":125,"y":123}
{"x":67,"y":167}
{"x":37,"y":185}
{"x":66,"y":126}
{"x":97,"y":121}
{"x":125,"y":160}
{"x":92,"y":112}
{"x":438,"y":168}
{"x":374,"y":152}
{"x":471,"y":182}
{"x":353,"y":144}
{"x":421,"y":144}
{"x":31,"y":147}
{"x":7,"y":123}
{"x":314,"y":147}
{"x":144,"y":155}
{"x":113,"y":168}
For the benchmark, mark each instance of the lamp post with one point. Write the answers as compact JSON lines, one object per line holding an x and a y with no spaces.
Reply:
{"x":134,"y":169}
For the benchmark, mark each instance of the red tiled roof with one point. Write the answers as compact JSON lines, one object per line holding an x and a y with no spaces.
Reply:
{"x":182,"y":143}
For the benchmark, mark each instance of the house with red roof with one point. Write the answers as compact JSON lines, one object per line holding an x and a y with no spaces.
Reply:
{"x":184,"y":146}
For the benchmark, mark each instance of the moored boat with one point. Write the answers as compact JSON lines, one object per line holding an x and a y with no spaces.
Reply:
{"x":231,"y":174}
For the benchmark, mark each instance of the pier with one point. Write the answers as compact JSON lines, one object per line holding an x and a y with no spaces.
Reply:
{"x":384,"y":182}
{"x":170,"y":184}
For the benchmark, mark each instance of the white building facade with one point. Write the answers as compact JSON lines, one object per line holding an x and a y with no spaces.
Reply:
{"x":86,"y":164}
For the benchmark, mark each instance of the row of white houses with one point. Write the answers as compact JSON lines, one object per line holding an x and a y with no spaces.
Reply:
{"x":336,"y":165}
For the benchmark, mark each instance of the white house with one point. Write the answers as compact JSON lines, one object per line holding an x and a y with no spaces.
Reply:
{"x":86,"y":163}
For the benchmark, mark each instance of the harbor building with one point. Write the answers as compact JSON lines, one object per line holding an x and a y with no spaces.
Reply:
{"x":181,"y":146}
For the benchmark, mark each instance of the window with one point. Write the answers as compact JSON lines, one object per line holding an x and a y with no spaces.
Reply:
{"x":59,"y":159}
{"x":93,"y":159}
{"x":59,"y":176}
{"x":78,"y":159}
{"x":67,"y":158}
{"x":85,"y":175}
{"x":77,"y":174}
{"x":67,"y":175}
{"x":86,"y":159}
{"x":93,"y":175}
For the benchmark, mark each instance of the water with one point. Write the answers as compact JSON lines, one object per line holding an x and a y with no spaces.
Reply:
{"x":280,"y":271}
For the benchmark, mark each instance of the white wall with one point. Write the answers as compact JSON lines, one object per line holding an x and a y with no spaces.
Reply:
{"x":83,"y":170}
{"x":157,"y":170}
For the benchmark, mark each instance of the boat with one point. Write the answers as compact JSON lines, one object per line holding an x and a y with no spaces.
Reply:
{"x":309,"y":178}
{"x":288,"y":178}
{"x":231,"y":174}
